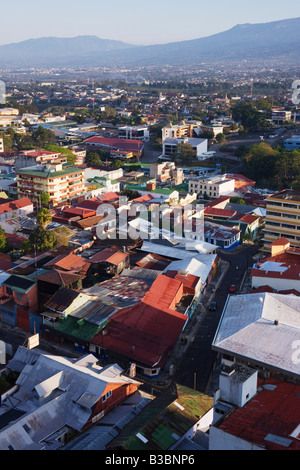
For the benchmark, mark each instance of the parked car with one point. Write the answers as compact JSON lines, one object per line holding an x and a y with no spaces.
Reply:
{"x":213,"y":306}
{"x":232,"y":289}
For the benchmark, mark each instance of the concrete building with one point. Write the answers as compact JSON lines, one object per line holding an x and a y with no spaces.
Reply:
{"x":251,"y":414}
{"x":261,"y":331}
{"x":54,"y":395}
{"x":281,"y":115}
{"x":280,"y":271}
{"x":166,"y":171}
{"x":293,"y":143}
{"x":199,"y":145}
{"x":184,"y":129}
{"x":213,"y":187}
{"x":282,"y":218}
{"x":134,"y":133}
{"x":63,"y":184}
{"x":29,"y":158}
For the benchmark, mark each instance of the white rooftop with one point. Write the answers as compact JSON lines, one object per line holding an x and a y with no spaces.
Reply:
{"x":261,"y":327}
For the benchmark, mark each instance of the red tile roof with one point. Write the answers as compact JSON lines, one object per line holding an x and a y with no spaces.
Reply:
{"x":219,"y":212}
{"x":270,"y":412}
{"x":247,"y":218}
{"x":143,"y":333}
{"x":14,"y":205}
{"x":165,"y":292}
{"x":288,"y":260}
{"x":109,"y":255}
{"x":69,"y":262}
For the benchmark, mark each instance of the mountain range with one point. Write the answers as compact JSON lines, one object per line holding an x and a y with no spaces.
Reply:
{"x":279,"y":40}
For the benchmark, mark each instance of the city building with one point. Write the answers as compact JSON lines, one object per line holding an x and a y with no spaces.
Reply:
{"x":254,"y":414}
{"x":280,"y":271}
{"x":279,"y":116}
{"x":134,"y":133}
{"x":173,"y":417}
{"x":166,"y":171}
{"x":64,"y":184}
{"x":55,"y":395}
{"x":136,"y":147}
{"x":200,"y":146}
{"x":214,"y":128}
{"x":29,"y":158}
{"x":181,"y":130}
{"x":293,"y":143}
{"x":282,"y":218}
{"x":262,"y":331}
{"x":213,"y":187}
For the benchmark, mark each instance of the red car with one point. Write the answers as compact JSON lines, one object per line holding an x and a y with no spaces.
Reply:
{"x":232,"y":289}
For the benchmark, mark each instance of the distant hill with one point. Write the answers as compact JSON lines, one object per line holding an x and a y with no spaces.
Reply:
{"x":254,"y":42}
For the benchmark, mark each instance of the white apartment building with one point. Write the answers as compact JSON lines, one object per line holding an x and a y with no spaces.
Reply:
{"x":134,"y":133}
{"x":199,"y":145}
{"x":213,"y":187}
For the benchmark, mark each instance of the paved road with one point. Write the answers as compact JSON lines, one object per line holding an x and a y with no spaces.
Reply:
{"x":198,"y":364}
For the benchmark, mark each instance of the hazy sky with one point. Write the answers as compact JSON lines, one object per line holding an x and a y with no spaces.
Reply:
{"x":135,"y":21}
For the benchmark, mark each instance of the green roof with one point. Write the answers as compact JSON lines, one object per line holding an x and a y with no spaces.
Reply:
{"x":162,"y":422}
{"x":136,"y":187}
{"x":50,"y":174}
{"x":79,"y":329}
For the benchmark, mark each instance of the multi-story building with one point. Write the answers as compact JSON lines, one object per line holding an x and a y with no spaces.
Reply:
{"x":281,"y":115}
{"x":62,"y":183}
{"x":184,"y":129}
{"x":293,"y":143}
{"x":282,"y":218}
{"x":134,"y":133}
{"x":200,"y":146}
{"x":213,"y":187}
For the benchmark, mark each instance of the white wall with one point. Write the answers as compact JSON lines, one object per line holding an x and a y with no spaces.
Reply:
{"x":220,"y":440}
{"x":277,"y":284}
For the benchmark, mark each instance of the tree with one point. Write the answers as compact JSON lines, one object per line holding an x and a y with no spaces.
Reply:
{"x":220,"y":138}
{"x":250,"y":118}
{"x":44,"y":199}
{"x":185,"y":152}
{"x":44,"y":217}
{"x":63,"y":235}
{"x":40,"y":240}
{"x":3,"y":241}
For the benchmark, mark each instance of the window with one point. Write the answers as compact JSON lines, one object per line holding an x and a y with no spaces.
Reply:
{"x":106,"y":396}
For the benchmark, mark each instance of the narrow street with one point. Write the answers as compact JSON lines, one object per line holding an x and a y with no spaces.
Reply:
{"x":199,"y":362}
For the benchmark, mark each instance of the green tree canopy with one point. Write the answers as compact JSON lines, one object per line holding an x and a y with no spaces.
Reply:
{"x":40,"y":240}
{"x":44,"y":217}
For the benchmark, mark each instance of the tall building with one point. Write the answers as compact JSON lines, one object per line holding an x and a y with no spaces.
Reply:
{"x":183,"y":129}
{"x":282,"y":218}
{"x":62,"y":183}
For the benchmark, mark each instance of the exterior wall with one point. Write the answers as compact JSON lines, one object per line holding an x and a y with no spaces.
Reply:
{"x":277,"y":284}
{"x":203,"y":423}
{"x":62,"y":188}
{"x":282,"y":220}
{"x":119,"y":392}
{"x":213,"y":189}
{"x":220,"y":440}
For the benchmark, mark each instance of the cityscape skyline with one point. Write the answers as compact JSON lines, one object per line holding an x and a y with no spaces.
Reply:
{"x":162,"y":23}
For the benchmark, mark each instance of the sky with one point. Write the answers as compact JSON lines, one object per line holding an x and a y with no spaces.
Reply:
{"x":136,"y":21}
